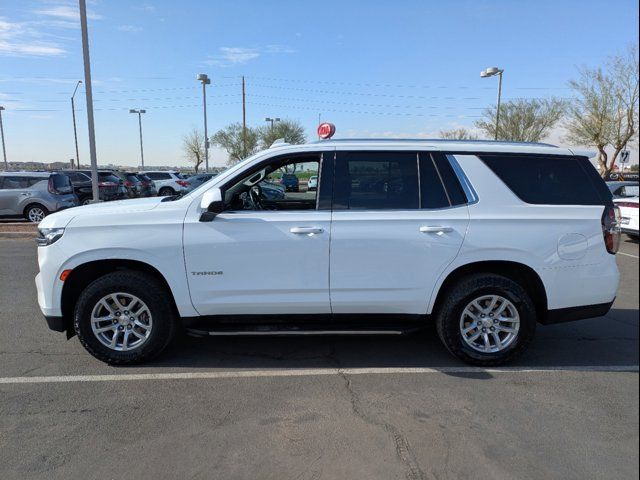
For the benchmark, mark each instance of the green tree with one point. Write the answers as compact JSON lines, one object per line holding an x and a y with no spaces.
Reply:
{"x":604,"y":113}
{"x":238,"y":142}
{"x":291,"y":130}
{"x":523,"y":120}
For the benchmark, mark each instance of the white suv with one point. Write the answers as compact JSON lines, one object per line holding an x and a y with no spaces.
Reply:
{"x":485,"y":239}
{"x":167,"y":183}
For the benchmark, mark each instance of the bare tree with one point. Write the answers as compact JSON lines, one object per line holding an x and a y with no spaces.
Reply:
{"x":291,"y":130}
{"x":193,"y":147}
{"x":523,"y":120}
{"x":605,"y":111}
{"x":239,"y":144}
{"x":458,"y":134}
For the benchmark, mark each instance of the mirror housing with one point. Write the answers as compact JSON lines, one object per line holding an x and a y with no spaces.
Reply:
{"x":211,"y":204}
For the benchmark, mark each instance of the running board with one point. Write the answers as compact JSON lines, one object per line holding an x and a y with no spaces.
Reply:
{"x":282,"y":330}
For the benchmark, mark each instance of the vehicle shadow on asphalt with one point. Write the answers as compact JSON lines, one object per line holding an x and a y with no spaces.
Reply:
{"x":604,"y":341}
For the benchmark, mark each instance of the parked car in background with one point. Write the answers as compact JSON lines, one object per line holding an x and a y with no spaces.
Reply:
{"x":167,"y":182}
{"x":110,"y":186}
{"x":194,"y":181}
{"x":624,"y":189}
{"x":131,"y":182}
{"x":313,"y":183}
{"x":629,"y":215}
{"x":272,"y":191}
{"x":148,"y":188}
{"x":81,"y":185}
{"x":290,"y":182}
{"x":35,"y":195}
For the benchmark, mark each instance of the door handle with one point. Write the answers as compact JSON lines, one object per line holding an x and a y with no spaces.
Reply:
{"x":306,"y":230}
{"x":435,"y":229}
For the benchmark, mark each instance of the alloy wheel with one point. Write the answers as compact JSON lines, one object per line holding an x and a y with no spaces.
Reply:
{"x":489,"y":324}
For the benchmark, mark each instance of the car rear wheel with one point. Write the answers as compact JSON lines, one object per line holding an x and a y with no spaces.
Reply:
{"x":124,"y":317}
{"x":166,"y":191}
{"x":35,"y":213}
{"x":486,"y":320}
{"x":85,"y":201}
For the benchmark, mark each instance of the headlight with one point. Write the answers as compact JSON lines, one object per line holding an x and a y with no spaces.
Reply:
{"x":47,"y":236}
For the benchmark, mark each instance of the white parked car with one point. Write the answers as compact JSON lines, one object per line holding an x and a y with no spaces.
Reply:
{"x":485,"y":239}
{"x":167,"y":183}
{"x":629,"y":215}
{"x":313,"y":183}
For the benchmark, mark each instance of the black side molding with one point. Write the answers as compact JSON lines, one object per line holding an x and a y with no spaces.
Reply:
{"x":562,"y":315}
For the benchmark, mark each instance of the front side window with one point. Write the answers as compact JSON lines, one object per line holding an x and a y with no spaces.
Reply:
{"x":376,"y":181}
{"x":282,"y":184}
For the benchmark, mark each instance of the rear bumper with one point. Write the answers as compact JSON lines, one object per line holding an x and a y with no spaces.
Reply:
{"x":563,"y":315}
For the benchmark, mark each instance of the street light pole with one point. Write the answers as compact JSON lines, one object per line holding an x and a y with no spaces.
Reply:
{"x":4,"y":151}
{"x":89,"y":96}
{"x":204,"y":78}
{"x":490,"y":72}
{"x":272,"y":120}
{"x":140,"y":112}
{"x":75,"y":131}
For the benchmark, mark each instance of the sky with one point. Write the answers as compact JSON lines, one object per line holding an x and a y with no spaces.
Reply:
{"x":373,"y":68}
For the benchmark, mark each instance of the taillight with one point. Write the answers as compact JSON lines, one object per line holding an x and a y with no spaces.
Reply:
{"x":51,"y":187}
{"x":182,"y":183}
{"x":128,"y":184}
{"x":627,"y":204}
{"x":611,"y":228}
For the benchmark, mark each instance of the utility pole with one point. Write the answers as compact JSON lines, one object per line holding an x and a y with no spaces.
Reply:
{"x":140,"y":112}
{"x":75,"y":131}
{"x":204,"y":78}
{"x":89,"y":96}
{"x":4,"y":151}
{"x":244,"y":122}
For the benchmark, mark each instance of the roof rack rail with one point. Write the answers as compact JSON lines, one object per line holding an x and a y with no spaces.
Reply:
{"x":279,"y":143}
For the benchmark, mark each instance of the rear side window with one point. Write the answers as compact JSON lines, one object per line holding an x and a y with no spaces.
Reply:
{"x":132,"y":178}
{"x":376,"y":181}
{"x":14,"y":182}
{"x":549,"y":180}
{"x":439,"y":185}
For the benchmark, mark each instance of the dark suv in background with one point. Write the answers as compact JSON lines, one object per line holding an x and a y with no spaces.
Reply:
{"x":110,"y":187}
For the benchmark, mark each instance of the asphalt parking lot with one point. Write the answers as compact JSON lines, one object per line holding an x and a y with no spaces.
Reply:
{"x":317,"y":408}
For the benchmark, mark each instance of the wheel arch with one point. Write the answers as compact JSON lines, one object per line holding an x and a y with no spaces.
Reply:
{"x":85,"y":273}
{"x":520,"y":273}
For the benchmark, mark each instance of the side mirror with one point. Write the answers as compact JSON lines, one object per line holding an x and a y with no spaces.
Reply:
{"x":211,"y":204}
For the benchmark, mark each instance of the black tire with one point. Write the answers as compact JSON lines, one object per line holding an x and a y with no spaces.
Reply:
{"x":28,"y":210}
{"x":166,"y":192}
{"x":460,"y":295}
{"x":85,"y":200}
{"x":147,"y":289}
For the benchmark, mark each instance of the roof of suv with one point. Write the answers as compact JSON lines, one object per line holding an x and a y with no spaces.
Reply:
{"x":28,"y":174}
{"x":471,"y":146}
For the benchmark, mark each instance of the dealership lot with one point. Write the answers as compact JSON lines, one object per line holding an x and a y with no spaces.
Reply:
{"x":401,"y":407}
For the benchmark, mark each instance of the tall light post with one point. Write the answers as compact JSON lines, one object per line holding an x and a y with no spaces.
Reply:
{"x":4,"y":151}
{"x":204,"y":78}
{"x":491,"y":72}
{"x":75,"y":131}
{"x":140,"y":112}
{"x":89,"y":96}
{"x":272,"y":120}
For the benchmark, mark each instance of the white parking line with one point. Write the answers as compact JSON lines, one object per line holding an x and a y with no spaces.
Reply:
{"x":627,"y":255}
{"x":308,"y":373}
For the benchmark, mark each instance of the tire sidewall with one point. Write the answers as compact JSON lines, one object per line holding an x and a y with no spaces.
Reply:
{"x":161,"y":331}
{"x":452,"y":336}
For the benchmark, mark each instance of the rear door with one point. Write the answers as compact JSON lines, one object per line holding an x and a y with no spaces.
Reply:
{"x":395,"y":227}
{"x":13,"y":190}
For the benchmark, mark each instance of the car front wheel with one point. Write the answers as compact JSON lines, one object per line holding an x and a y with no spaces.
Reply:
{"x":486,"y":320}
{"x":35,"y":213}
{"x":124,"y":317}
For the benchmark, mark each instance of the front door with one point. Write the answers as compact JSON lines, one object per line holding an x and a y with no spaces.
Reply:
{"x":268,"y":253}
{"x":395,"y":228}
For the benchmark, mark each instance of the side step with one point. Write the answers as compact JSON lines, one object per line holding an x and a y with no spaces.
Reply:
{"x":289,"y":330}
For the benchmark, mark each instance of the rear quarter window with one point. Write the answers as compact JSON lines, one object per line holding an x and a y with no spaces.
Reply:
{"x":550,"y":180}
